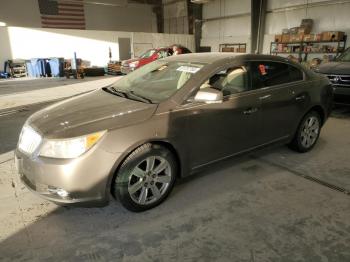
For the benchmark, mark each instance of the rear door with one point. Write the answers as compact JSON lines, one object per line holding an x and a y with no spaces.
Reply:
{"x":278,"y":100}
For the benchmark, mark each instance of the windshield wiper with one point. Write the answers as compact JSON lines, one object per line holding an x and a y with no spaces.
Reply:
{"x":117,"y":92}
{"x":144,"y":99}
{"x":128,"y":94}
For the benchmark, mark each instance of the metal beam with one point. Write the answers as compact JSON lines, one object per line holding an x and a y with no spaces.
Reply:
{"x":226,"y":17}
{"x":258,"y":14}
{"x":195,"y":13}
{"x":309,"y":5}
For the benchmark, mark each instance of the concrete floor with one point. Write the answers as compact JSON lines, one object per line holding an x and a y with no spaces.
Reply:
{"x":18,"y":85}
{"x":273,"y":205}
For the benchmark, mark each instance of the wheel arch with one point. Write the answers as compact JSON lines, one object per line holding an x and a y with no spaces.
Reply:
{"x":167,"y":144}
{"x":320,"y":111}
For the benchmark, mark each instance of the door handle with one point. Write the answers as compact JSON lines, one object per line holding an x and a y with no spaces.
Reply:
{"x":300,"y":98}
{"x":264,"y":97}
{"x":250,"y":111}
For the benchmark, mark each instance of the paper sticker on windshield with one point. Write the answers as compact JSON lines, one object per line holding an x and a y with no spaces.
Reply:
{"x":188,"y":69}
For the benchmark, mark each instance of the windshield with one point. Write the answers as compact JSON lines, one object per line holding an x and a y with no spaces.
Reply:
{"x":158,"y":80}
{"x":345,"y":57}
{"x":148,"y":53}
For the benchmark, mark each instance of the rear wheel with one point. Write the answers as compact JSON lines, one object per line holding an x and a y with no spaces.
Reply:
{"x":308,"y":133}
{"x":145,"y":178}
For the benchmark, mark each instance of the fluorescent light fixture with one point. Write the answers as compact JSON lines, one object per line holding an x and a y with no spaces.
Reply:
{"x":2,"y":23}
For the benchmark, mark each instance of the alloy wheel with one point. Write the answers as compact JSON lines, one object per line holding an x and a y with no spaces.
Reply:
{"x":149,"y":180}
{"x":309,"y":132}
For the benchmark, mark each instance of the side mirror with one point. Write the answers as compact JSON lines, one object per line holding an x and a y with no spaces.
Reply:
{"x":209,"y":95}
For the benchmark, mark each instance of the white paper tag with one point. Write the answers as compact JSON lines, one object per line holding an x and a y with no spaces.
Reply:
{"x":188,"y":69}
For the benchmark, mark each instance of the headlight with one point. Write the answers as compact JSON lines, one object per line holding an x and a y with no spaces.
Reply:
{"x":134,"y":64}
{"x":29,"y":140}
{"x":71,"y":147}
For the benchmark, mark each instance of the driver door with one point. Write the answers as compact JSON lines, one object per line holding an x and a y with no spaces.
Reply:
{"x":221,"y":130}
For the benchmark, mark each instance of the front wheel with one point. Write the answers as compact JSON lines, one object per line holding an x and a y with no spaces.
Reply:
{"x":308,"y":133}
{"x":145,"y":178}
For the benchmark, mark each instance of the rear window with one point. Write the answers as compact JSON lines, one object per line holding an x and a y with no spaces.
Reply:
{"x":295,"y":74}
{"x":266,"y":74}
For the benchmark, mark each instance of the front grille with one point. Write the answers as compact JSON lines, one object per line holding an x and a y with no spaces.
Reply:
{"x":340,"y":80}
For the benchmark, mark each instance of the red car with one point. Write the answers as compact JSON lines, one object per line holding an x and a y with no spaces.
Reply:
{"x":151,"y":55}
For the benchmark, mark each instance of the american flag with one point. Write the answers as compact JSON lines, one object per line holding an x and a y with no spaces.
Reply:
{"x":62,"y":14}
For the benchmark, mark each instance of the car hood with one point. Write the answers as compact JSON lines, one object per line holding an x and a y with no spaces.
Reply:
{"x":88,"y":113}
{"x":335,"y":68}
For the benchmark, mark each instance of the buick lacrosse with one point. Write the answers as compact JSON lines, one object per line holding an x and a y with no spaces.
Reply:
{"x":133,"y":139}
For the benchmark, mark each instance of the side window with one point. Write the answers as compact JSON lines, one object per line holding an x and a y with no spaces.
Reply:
{"x":267,"y":74}
{"x":229,"y":81}
{"x":295,"y":74}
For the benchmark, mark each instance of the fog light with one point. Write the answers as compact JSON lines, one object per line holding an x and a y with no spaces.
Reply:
{"x":58,"y":191}
{"x":62,"y":193}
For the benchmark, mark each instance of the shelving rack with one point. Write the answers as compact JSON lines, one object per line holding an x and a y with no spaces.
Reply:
{"x":235,"y":47}
{"x":299,"y":48}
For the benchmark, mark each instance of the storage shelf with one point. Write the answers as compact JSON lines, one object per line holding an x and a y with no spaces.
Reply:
{"x":303,"y":44}
{"x":308,"y":42}
{"x":273,"y":52}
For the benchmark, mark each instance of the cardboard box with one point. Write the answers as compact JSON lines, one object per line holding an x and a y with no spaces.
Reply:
{"x":278,"y":38}
{"x":285,"y":38}
{"x":306,"y":26}
{"x":228,"y":49}
{"x":296,"y":38}
{"x":294,"y":30}
{"x":285,"y":31}
{"x":303,"y":30}
{"x":318,"y":37}
{"x":332,"y":36}
{"x":309,"y":38}
{"x":326,"y":36}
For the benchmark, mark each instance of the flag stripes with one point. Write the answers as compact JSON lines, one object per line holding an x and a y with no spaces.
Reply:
{"x":62,"y":14}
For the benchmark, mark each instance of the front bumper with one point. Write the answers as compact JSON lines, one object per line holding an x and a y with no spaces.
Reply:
{"x":84,"y":179}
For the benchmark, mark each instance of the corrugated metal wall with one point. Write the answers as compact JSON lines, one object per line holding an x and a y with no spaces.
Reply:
{"x":225,"y":21}
{"x":175,"y":16}
{"x":327,"y":16}
{"x":228,"y":21}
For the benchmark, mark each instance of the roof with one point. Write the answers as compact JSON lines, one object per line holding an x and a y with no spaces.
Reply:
{"x":213,"y":57}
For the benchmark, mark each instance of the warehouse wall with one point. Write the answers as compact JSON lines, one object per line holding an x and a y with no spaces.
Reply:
{"x":90,"y":45}
{"x":327,"y":16}
{"x":131,"y":18}
{"x":124,"y":17}
{"x":144,"y":41}
{"x":5,"y":51}
{"x":175,"y":16}
{"x":226,"y":21}
{"x":26,"y":43}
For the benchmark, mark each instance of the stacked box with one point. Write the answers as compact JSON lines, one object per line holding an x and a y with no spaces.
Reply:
{"x":332,"y":36}
{"x":306,"y":25}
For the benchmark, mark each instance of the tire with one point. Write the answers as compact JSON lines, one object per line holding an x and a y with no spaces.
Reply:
{"x":307,"y":134}
{"x":137,"y":185}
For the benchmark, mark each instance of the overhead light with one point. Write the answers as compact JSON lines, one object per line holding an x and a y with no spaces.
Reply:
{"x":120,"y":3}
{"x":2,"y":24}
{"x":199,"y":1}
